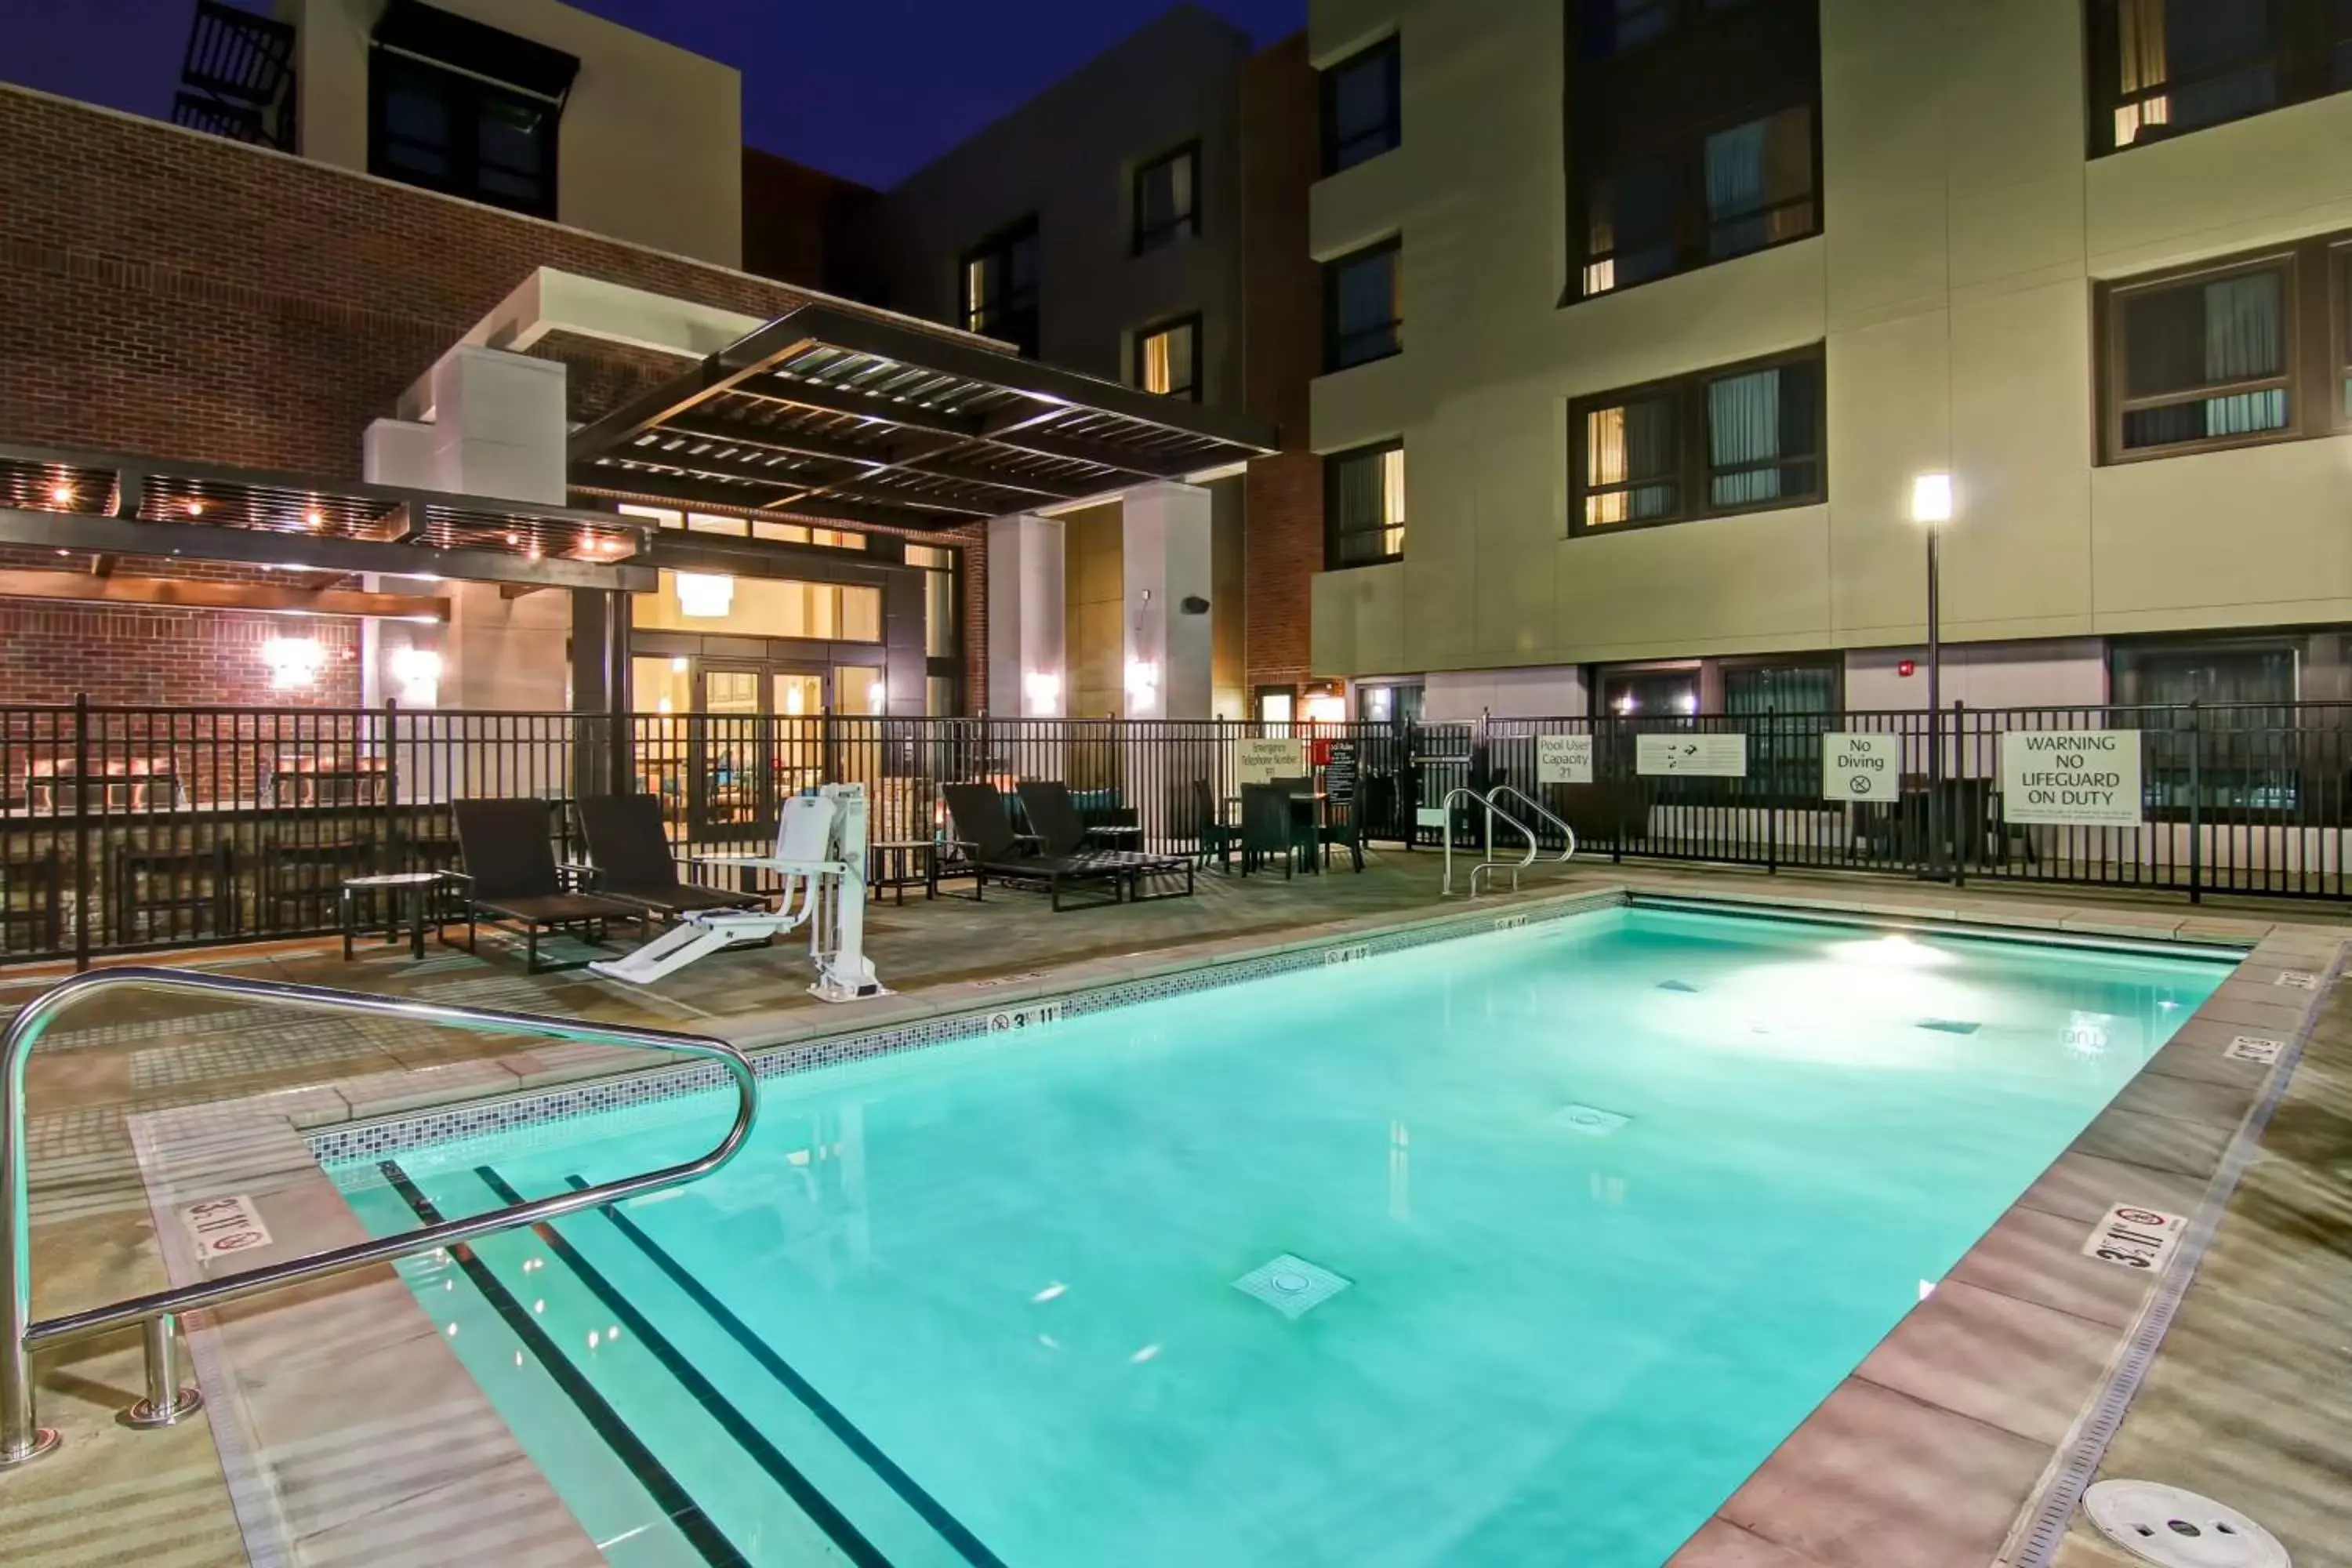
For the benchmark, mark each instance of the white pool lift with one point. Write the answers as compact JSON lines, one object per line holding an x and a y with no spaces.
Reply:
{"x":820,"y":856}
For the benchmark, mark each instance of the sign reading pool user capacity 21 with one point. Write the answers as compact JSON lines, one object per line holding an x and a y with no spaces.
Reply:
{"x":2080,"y":777}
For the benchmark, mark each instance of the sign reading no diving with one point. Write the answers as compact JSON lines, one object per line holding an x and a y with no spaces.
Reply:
{"x":2084,"y":777}
{"x":1862,"y":767}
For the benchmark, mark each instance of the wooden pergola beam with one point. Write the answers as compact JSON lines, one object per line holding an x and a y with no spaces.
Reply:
{"x":257,"y":598}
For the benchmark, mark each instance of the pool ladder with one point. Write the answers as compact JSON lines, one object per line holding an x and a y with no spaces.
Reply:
{"x":1492,"y":802}
{"x":158,"y":1314}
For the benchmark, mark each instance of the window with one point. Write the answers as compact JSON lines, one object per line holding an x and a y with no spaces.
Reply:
{"x":1363,"y":507}
{"x":1743,"y":438}
{"x":456,"y":133}
{"x":1000,"y":286}
{"x":1744,"y":187}
{"x":2161,"y":68}
{"x":1167,"y":359}
{"x":2240,"y":752}
{"x":2230,"y":352}
{"x":1694,"y":135}
{"x":1167,"y":199}
{"x":1639,"y":692}
{"x":1363,"y":307}
{"x":1362,"y":117}
{"x":940,"y":638}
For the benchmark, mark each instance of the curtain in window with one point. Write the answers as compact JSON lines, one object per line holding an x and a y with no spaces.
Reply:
{"x":1392,"y":501}
{"x":1735,"y":189}
{"x":1743,"y":426}
{"x":1630,"y":443}
{"x":1359,"y":506}
{"x":2244,"y":342}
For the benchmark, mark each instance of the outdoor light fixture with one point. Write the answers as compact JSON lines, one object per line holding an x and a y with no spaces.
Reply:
{"x":418,"y":670}
{"x":294,"y":662}
{"x":877,"y":698}
{"x":706,"y":595}
{"x":1931,"y":498}
{"x":314,"y":517}
{"x":679,"y":665}
{"x":1044,"y":690}
{"x":1142,"y":684}
{"x":62,"y":494}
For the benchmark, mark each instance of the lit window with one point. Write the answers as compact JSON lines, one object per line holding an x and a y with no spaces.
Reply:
{"x":1165,"y":358}
{"x":1744,"y":438}
{"x":2202,"y":362}
{"x":1363,"y":503}
{"x":2166,"y":68}
{"x":1000,"y":286}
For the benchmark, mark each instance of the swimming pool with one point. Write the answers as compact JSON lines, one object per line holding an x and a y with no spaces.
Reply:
{"x":1517,"y":1248}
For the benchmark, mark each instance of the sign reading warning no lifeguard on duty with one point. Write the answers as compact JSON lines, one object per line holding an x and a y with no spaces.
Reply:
{"x":2079,"y":777}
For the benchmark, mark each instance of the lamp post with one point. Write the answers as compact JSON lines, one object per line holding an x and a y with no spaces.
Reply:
{"x":1931,"y":507}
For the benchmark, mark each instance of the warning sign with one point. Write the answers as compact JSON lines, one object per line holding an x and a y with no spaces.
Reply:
{"x":1861,"y":767}
{"x":1563,"y":758}
{"x":2085,"y":777}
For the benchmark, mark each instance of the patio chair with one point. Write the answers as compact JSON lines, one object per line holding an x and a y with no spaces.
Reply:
{"x":1270,"y":827}
{"x":1062,"y":833}
{"x":510,"y":878}
{"x":630,"y":856}
{"x":983,"y":830}
{"x":1198,"y":814}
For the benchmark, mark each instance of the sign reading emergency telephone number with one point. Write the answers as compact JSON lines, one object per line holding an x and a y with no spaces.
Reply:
{"x":1263,"y":762}
{"x":2082,"y":777}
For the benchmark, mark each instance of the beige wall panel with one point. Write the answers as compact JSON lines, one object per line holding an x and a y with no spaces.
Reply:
{"x":1890,"y":419}
{"x":1696,"y":586}
{"x":1359,"y":621}
{"x":2231,"y":187}
{"x":2251,"y":536}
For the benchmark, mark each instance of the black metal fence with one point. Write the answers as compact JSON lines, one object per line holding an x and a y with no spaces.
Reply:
{"x":127,"y":828}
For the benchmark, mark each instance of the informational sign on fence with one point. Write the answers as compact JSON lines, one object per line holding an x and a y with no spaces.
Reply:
{"x":1862,"y":767}
{"x":2081,"y":778}
{"x":1563,"y":758}
{"x":1339,"y":769}
{"x":1263,"y":762}
{"x":1723,"y":756}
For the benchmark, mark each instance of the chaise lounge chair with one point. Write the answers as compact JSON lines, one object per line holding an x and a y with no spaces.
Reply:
{"x":1063,"y":834}
{"x":633,"y":861}
{"x":984,"y":828}
{"x":510,"y":878}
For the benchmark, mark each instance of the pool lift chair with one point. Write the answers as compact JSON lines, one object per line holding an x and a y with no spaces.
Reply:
{"x":820,"y":855}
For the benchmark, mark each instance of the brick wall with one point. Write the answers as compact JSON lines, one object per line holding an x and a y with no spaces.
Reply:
{"x":133,"y":655}
{"x":1282,"y":297}
{"x":183,"y":296}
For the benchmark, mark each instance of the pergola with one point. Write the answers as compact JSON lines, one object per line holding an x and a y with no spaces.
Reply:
{"x":825,"y":414}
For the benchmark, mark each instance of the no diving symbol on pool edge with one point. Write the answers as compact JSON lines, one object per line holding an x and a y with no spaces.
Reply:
{"x":1016,"y":1018}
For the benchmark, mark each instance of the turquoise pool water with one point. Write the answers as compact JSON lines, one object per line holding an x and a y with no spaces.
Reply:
{"x":1616,"y":1201}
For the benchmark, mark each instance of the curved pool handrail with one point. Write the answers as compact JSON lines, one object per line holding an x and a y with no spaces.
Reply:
{"x":20,"y":1439}
{"x":1524,"y":799}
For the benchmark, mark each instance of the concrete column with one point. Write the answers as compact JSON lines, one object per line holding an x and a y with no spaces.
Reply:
{"x":1028,"y":668}
{"x":1166,"y":549}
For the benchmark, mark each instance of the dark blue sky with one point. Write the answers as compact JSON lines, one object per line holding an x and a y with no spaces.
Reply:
{"x":869,"y":89}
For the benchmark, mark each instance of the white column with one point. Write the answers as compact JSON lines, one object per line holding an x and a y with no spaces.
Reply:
{"x":1028,"y":668}
{"x":1165,"y":549}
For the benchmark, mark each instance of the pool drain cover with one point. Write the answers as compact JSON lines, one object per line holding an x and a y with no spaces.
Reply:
{"x":2179,"y":1528}
{"x":1589,"y":1119}
{"x":1291,"y":1285}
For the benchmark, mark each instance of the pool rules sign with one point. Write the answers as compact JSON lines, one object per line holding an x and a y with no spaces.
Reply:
{"x":2087,"y":778}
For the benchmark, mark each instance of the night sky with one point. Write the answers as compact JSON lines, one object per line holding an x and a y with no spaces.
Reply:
{"x":869,"y":89}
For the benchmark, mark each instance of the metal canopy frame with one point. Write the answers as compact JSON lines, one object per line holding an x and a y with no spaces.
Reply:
{"x":827,"y":415}
{"x":118,"y":505}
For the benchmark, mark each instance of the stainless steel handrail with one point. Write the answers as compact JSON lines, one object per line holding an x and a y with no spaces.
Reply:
{"x":1532,"y":804}
{"x":21,"y":1440}
{"x":1446,"y":889}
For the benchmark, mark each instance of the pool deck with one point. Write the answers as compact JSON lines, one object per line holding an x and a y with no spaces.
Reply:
{"x":349,"y":1417}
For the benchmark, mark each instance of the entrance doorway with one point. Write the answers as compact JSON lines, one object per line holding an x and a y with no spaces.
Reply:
{"x":737,"y":738}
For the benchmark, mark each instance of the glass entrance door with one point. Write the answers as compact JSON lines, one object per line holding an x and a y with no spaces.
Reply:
{"x":731,"y":794}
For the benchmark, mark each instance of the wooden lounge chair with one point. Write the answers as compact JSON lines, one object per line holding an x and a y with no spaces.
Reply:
{"x":512,"y":878}
{"x":983,"y":829}
{"x":1063,"y":834}
{"x":632,"y":863}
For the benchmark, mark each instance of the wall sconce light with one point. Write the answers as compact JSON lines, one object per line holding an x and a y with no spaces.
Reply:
{"x":1142,"y":686}
{"x":418,"y":670}
{"x":877,"y":698}
{"x":705,"y":596}
{"x":1043,"y":687}
{"x":294,"y":662}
